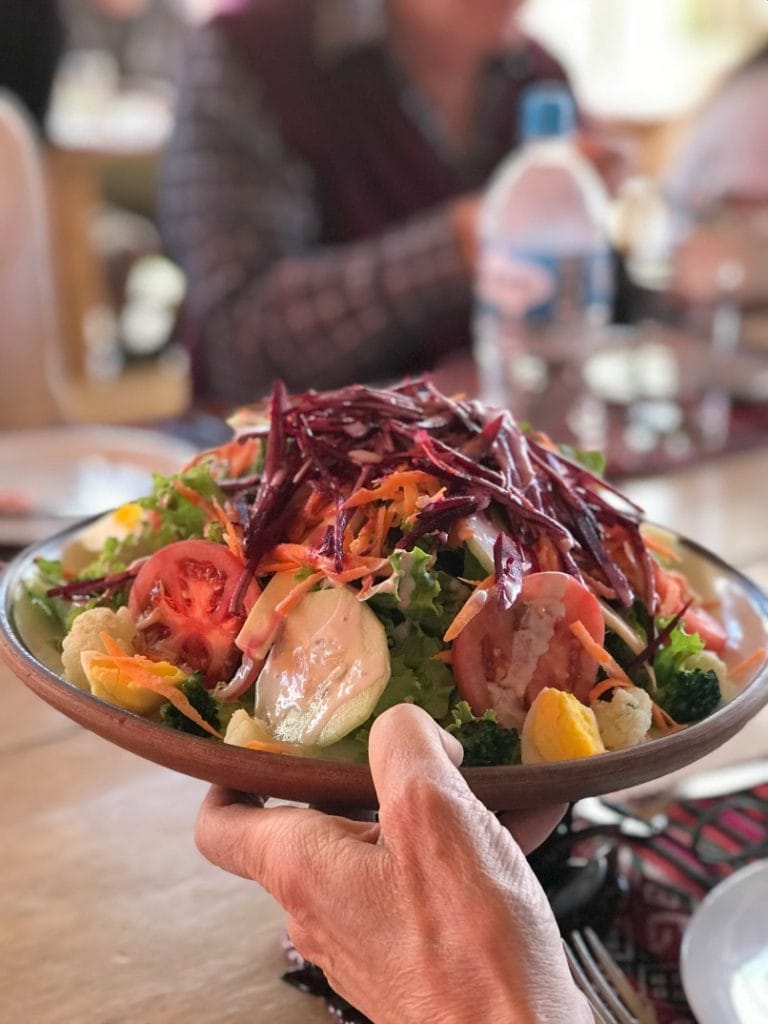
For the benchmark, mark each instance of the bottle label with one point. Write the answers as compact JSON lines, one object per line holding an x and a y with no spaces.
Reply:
{"x":540,"y":287}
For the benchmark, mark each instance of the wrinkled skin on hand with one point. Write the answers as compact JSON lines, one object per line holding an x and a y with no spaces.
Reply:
{"x":429,"y":915}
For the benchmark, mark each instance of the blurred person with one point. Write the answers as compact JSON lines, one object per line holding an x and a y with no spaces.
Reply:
{"x":31,"y":41}
{"x":321,"y":186}
{"x":717,"y":188}
{"x":430,"y":914}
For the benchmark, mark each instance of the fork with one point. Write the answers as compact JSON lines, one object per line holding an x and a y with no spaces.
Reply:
{"x":609,"y":993}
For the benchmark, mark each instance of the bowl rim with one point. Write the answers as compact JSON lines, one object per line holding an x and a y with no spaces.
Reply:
{"x":351,"y":784}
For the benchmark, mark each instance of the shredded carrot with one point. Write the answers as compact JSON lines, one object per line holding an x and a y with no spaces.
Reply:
{"x":660,"y":548}
{"x":598,"y":587}
{"x":238,"y":455}
{"x":474,"y":604}
{"x":384,"y":519}
{"x":214,"y":512}
{"x":271,"y":747}
{"x":547,"y":555}
{"x":191,"y":495}
{"x":611,"y":683}
{"x":390,"y":485}
{"x":444,"y":656}
{"x":285,"y":557}
{"x":664,"y":722}
{"x":316,"y":504}
{"x":138,"y":672}
{"x":299,"y":554}
{"x":293,"y":597}
{"x":231,"y":536}
{"x":361,"y":542}
{"x":268,"y":568}
{"x":349,"y":575}
{"x":601,"y":656}
{"x":743,"y":666}
{"x":410,"y":494}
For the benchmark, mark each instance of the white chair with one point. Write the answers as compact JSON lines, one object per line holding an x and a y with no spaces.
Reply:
{"x":30,"y":349}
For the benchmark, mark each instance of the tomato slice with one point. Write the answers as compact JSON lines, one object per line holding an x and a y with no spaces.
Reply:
{"x":181,"y":600}
{"x":673,"y":592}
{"x":503,"y":658}
{"x":697,"y":620}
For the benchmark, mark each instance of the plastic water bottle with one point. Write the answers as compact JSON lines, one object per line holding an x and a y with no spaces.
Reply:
{"x":544,"y":282}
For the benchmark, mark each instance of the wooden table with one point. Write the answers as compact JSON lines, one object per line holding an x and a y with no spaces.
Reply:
{"x":108,"y":915}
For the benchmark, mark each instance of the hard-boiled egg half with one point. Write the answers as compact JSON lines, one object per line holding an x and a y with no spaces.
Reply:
{"x":558,"y":727}
{"x":87,"y":545}
{"x":109,"y":681}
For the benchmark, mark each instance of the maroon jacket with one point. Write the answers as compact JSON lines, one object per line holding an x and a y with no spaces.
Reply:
{"x":373,"y":164}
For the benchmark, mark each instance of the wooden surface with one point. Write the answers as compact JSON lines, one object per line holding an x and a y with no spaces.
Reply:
{"x":107,"y":913}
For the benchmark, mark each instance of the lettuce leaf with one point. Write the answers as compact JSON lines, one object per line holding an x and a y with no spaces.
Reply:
{"x":671,"y":659}
{"x":419,"y":593}
{"x":417,"y":677}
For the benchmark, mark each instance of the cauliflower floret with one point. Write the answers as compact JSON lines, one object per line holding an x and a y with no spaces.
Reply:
{"x":85,"y":636}
{"x":624,"y":720}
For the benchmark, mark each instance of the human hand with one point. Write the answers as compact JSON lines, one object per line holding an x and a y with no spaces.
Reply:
{"x":430,"y":914}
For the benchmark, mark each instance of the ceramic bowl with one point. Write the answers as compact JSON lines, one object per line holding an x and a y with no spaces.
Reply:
{"x":744,"y":611}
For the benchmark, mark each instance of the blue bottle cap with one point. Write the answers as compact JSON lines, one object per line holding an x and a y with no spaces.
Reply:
{"x":547,"y":110}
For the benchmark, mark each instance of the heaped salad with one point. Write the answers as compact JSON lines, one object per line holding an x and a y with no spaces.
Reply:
{"x":353,"y":549}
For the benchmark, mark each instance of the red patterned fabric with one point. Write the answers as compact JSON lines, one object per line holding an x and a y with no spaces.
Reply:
{"x":705,"y":842}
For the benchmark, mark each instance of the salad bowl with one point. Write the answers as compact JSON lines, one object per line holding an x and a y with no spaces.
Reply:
{"x":743,"y":611}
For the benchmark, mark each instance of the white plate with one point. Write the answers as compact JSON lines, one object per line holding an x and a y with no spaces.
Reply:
{"x":724,"y":956}
{"x":54,"y":476}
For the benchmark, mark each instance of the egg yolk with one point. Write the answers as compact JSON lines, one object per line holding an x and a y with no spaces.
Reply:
{"x":562,"y":728}
{"x":128,"y":516}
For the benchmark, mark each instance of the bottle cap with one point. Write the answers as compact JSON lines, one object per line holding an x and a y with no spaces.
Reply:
{"x":547,"y":110}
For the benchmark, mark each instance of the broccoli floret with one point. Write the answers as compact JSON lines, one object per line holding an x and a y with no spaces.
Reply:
{"x":690,"y":695}
{"x":201,"y":701}
{"x":688,"y":687}
{"x":485,"y":742}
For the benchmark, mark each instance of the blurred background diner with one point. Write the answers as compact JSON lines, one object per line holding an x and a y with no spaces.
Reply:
{"x":213,"y":221}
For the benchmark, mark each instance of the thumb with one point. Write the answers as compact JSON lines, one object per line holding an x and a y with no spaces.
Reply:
{"x":408,"y":746}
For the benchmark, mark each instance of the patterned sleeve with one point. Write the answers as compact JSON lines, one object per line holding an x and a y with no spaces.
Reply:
{"x":240,"y":215}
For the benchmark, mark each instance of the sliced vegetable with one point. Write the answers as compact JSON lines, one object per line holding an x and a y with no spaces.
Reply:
{"x":182,"y":600}
{"x":504,"y":657}
{"x":136,"y":684}
{"x":559,"y":727}
{"x":325,"y":672}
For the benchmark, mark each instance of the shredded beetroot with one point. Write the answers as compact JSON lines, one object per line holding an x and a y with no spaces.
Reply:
{"x":82,"y":590}
{"x":508,"y":568}
{"x":647,"y":654}
{"x":336,"y":441}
